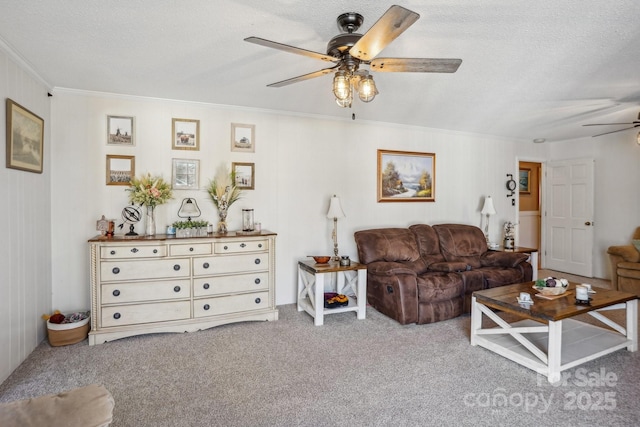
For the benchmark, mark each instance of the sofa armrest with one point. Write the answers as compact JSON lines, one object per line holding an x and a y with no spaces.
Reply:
{"x":449,"y":267}
{"x":502,"y":259}
{"x":627,"y":252}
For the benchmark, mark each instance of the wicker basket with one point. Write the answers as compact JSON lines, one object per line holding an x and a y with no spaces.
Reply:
{"x":67,"y":333}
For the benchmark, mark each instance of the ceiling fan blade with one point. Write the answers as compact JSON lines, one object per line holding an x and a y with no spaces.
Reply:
{"x":390,"y":25}
{"x":614,"y":131}
{"x":607,"y":124}
{"x":415,"y":65}
{"x":303,"y":77}
{"x":290,"y":49}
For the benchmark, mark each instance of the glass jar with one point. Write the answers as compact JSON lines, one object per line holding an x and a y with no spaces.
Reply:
{"x":247,"y":220}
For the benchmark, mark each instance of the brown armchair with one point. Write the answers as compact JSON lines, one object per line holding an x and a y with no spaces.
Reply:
{"x":625,"y":266}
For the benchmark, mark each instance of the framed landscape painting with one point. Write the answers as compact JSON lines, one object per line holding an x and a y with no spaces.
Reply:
{"x":243,"y":138}
{"x":405,"y":176}
{"x":244,"y":174}
{"x":185,"y":134}
{"x":120,"y":169}
{"x":524,"y":178}
{"x":25,"y":138}
{"x":120,"y":131}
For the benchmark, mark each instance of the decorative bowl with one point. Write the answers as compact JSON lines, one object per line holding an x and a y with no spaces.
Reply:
{"x":321,"y":259}
{"x":551,"y":286}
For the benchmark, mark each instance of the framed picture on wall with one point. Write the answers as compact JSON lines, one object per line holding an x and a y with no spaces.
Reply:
{"x":186,"y":174}
{"x":243,"y":138}
{"x":120,"y":169}
{"x":244,"y":174}
{"x":25,"y":138}
{"x":120,"y":130}
{"x":185,"y":134}
{"x":524,"y":181}
{"x":405,"y":176}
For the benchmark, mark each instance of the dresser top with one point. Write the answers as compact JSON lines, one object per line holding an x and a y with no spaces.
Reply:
{"x":172,"y":237}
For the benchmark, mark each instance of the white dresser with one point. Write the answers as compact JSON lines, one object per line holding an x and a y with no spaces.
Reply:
{"x":143,"y":285}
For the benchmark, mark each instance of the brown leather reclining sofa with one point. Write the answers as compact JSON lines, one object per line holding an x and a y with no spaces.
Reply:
{"x":425,"y":274}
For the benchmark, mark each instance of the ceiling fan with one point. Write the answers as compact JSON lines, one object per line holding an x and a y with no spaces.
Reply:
{"x":634,"y":124}
{"x":349,"y":50}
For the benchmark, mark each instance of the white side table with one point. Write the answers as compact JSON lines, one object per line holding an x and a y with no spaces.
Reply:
{"x":311,"y":281}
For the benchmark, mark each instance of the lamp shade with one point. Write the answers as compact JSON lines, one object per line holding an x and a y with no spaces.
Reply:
{"x":189,"y":208}
{"x":488,"y":208}
{"x":335,"y":210}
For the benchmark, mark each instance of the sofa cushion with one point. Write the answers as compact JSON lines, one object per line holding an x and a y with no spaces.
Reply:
{"x":386,"y":244}
{"x":626,"y":252}
{"x":461,"y":243}
{"x":428,"y":243}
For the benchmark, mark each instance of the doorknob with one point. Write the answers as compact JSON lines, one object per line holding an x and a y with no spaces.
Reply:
{"x":587,"y":223}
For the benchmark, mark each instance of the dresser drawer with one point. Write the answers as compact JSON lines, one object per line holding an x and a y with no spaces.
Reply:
{"x":120,"y":293}
{"x":230,"y":264}
{"x":241,"y":246}
{"x":145,"y":313}
{"x":224,"y":305}
{"x":190,"y":249}
{"x":230,"y":284}
{"x":144,"y":269}
{"x":134,"y":252}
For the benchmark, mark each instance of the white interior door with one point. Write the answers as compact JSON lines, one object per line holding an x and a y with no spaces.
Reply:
{"x":569,"y":217}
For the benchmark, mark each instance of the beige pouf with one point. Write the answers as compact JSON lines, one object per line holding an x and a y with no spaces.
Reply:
{"x":90,"y":406}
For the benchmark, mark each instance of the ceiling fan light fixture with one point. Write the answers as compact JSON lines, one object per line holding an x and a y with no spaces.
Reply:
{"x":342,"y":85}
{"x":344,"y":103}
{"x":367,"y":90}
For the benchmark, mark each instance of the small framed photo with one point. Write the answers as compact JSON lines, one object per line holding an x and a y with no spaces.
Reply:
{"x":25,"y":138}
{"x":120,"y":169}
{"x":244,"y":174}
{"x":186,"y":174}
{"x":524,"y":178}
{"x":120,"y":131}
{"x":185,"y":134}
{"x":405,"y":176}
{"x":243,"y":138}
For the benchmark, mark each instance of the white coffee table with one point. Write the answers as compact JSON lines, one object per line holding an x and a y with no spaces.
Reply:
{"x":549,"y":339}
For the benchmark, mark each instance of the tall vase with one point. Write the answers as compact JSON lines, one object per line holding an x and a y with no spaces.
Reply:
{"x":222,"y":224}
{"x":150,"y":225}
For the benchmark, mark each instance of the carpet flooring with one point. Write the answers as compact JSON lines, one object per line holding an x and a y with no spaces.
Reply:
{"x":349,"y":372}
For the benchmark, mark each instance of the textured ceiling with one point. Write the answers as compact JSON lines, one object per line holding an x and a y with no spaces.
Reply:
{"x":531,"y":69}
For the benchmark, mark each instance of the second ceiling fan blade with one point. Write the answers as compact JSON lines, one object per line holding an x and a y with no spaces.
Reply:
{"x":390,"y":25}
{"x":614,"y":131}
{"x":290,"y":49}
{"x":303,"y":77}
{"x":415,"y":65}
{"x":607,"y":124}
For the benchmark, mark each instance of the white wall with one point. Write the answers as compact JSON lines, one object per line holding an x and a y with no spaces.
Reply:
{"x":300,"y":162}
{"x":25,"y":251}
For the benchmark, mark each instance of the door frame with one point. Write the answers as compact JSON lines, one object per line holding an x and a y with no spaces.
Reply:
{"x":542,"y":183}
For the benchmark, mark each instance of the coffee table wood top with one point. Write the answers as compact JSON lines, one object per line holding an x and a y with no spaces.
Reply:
{"x":505,"y":298}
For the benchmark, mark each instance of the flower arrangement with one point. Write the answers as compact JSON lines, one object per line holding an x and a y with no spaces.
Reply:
{"x":224,"y":192}
{"x":149,"y":190}
{"x":509,"y":229}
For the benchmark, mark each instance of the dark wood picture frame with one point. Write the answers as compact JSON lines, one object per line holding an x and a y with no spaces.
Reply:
{"x":524,"y":181}
{"x":406,"y":176}
{"x":25,"y":138}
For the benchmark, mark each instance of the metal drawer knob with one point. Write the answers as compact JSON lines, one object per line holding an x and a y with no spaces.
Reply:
{"x":206,"y":307}
{"x":205,"y":265}
{"x":134,"y":250}
{"x":176,"y":289}
{"x":257,"y":281}
{"x":190,"y":249}
{"x":257,"y":261}
{"x":225,"y":248}
{"x":205,"y":286}
{"x":258,"y":300}
{"x":242,"y":245}
{"x":176,"y":267}
{"x":115,"y":270}
{"x":112,"y":252}
{"x":116,"y":316}
{"x":116,"y":293}
{"x":259,"y":245}
{"x":155,"y":251}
